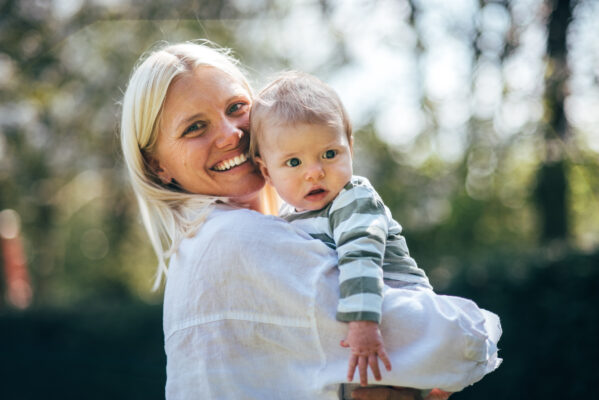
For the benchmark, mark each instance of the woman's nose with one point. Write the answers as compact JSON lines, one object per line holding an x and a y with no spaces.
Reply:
{"x":229,"y":135}
{"x":314,"y":172}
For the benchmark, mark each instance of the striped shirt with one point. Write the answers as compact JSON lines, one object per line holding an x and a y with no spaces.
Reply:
{"x":369,"y":245}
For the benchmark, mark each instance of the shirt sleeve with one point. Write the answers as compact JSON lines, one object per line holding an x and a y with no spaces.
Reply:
{"x":359,"y":225}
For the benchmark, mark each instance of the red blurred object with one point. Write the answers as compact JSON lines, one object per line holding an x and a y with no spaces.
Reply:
{"x":18,"y":286}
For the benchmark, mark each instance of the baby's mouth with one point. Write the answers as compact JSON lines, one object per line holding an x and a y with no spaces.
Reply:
{"x":316,"y":194}
{"x":230,"y":163}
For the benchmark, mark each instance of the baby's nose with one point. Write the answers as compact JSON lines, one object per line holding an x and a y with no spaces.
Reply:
{"x":314,"y":172}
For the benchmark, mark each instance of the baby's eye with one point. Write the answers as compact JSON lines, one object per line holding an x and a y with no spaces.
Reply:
{"x":293,"y":162}
{"x":329,"y":154}
{"x":196,"y":126}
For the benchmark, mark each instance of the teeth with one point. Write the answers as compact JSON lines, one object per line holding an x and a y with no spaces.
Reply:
{"x":233,"y":162}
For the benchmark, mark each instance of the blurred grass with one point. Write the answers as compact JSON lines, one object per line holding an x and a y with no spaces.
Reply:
{"x":87,"y":353}
{"x":550,"y":342}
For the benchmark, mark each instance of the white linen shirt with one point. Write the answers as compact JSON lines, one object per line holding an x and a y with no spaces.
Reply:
{"x":249,"y":313}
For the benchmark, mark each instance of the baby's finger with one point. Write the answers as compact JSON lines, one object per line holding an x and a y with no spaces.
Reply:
{"x":385,"y":359}
{"x":374,"y":366}
{"x":363,"y":369}
{"x":343,"y":343}
{"x":353,"y":363}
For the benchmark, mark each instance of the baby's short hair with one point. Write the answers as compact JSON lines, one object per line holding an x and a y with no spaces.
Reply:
{"x":296,"y":98}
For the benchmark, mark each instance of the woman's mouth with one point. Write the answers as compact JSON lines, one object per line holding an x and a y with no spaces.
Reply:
{"x":230,"y":163}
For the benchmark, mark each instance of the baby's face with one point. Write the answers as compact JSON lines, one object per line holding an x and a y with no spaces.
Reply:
{"x":308,"y":164}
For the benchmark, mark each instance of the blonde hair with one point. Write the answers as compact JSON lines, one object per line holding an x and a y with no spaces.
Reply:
{"x":296,"y":98}
{"x":169,"y":214}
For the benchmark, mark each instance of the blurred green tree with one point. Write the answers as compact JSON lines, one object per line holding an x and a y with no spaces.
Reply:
{"x":446,"y":128}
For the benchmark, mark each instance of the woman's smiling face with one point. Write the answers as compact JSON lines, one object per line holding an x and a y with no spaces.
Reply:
{"x":203,"y":136}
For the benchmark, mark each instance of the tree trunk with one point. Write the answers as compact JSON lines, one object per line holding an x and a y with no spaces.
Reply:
{"x":551,"y":190}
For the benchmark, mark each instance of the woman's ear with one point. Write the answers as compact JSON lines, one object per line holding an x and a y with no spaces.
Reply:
{"x":162,"y":173}
{"x":263,"y":170}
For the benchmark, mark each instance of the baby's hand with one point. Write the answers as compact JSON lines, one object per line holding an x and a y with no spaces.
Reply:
{"x":366,"y":343}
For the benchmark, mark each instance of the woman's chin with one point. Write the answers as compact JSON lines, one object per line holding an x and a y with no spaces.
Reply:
{"x":250,"y":187}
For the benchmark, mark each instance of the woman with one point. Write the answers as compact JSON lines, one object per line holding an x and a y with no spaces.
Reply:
{"x":249,"y":301}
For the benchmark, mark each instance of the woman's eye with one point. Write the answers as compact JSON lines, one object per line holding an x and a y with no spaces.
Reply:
{"x":329,"y":154}
{"x":196,"y":126}
{"x":293,"y":162}
{"x":235,"y":107}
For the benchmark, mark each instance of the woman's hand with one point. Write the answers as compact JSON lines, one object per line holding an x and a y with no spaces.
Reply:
{"x":386,"y":393}
{"x":437,"y":394}
{"x":397,"y":393}
{"x":366,"y":343}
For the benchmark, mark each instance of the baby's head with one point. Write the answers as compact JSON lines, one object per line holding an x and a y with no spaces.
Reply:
{"x":302,"y":140}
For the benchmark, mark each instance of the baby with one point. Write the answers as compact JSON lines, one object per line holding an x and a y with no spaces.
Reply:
{"x":302,"y":142}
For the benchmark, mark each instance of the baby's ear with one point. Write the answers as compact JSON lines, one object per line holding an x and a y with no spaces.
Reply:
{"x":262,"y":165}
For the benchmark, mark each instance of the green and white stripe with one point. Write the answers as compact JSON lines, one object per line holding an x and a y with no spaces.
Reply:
{"x":369,"y":245}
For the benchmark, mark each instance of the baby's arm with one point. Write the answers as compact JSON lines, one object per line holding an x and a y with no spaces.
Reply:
{"x":359,"y":227}
{"x":365,"y":340}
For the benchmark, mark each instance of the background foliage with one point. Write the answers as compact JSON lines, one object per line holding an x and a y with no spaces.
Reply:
{"x":475,"y":120}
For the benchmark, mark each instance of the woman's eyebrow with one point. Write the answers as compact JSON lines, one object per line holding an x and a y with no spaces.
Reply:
{"x":191,"y":118}
{"x":238,"y":96}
